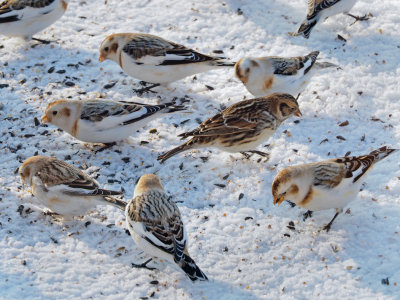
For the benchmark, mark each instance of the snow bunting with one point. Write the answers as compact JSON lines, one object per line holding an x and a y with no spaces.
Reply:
{"x":63,"y":188}
{"x":242,"y":126}
{"x":22,"y":18}
{"x":103,"y":121}
{"x":327,"y":184}
{"x":322,"y":9}
{"x":266,"y":75}
{"x":155,"y":60}
{"x":156,"y":226}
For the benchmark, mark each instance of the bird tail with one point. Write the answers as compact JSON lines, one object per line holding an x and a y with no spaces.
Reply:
{"x":176,"y":150}
{"x":188,"y":266}
{"x":306,"y":27}
{"x":313,"y":57}
{"x":382,"y":152}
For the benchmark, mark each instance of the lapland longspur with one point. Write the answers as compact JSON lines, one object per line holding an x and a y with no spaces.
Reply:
{"x":242,"y":126}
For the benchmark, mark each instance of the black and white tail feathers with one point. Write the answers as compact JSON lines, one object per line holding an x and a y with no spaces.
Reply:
{"x":188,"y":265}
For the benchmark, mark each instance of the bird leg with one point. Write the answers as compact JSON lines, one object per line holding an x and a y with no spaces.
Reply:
{"x":328,"y":226}
{"x":358,"y":18}
{"x":143,"y":265}
{"x":307,"y":214}
{"x":41,"y":41}
{"x":291,"y":203}
{"x":106,"y":146}
{"x":147,"y":88}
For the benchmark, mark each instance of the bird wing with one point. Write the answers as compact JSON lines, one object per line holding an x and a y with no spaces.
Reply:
{"x":153,"y":50}
{"x":358,"y":166}
{"x":291,"y":65}
{"x":58,"y":176}
{"x":244,"y":116}
{"x":108,"y":114}
{"x":328,"y":174}
{"x":315,"y":6}
{"x":166,"y":233}
{"x":14,"y":10}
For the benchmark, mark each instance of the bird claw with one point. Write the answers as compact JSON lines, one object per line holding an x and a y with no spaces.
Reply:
{"x":307,"y":214}
{"x":327,"y":227}
{"x":143,"y":265}
{"x":41,"y":41}
{"x":106,"y":146}
{"x":358,"y":18}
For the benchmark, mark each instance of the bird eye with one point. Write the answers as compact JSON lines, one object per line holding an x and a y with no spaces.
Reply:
{"x":55,"y":113}
{"x":106,"y":49}
{"x":247,"y":70}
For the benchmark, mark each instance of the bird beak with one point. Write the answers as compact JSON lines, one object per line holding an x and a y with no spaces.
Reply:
{"x":298,"y":113}
{"x":279,"y":200}
{"x":101,"y":58}
{"x":45,"y":120}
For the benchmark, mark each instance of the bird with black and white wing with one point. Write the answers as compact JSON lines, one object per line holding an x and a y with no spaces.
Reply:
{"x":327,"y":184}
{"x":156,"y":226}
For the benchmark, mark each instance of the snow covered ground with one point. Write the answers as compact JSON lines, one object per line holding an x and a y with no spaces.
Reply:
{"x":237,"y":236}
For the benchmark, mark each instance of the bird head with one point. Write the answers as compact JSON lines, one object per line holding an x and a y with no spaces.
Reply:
{"x":244,"y":67}
{"x":289,"y":185}
{"x":110,"y":47}
{"x":29,"y":168}
{"x":62,"y":113}
{"x":148,"y":182}
{"x":286,"y":106}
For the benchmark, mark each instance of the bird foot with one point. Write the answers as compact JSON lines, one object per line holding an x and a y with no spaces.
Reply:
{"x":327,"y":227}
{"x":307,"y":214}
{"x":143,"y":265}
{"x":106,"y":146}
{"x":146,"y":89}
{"x":358,"y":18}
{"x":42,"y":41}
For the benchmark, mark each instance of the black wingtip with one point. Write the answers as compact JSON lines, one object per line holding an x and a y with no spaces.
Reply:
{"x":305,"y":28}
{"x":313,"y":56}
{"x":383,"y":152}
{"x":192,"y":270}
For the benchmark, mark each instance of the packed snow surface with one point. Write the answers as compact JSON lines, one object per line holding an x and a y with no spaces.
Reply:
{"x":237,"y":236}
